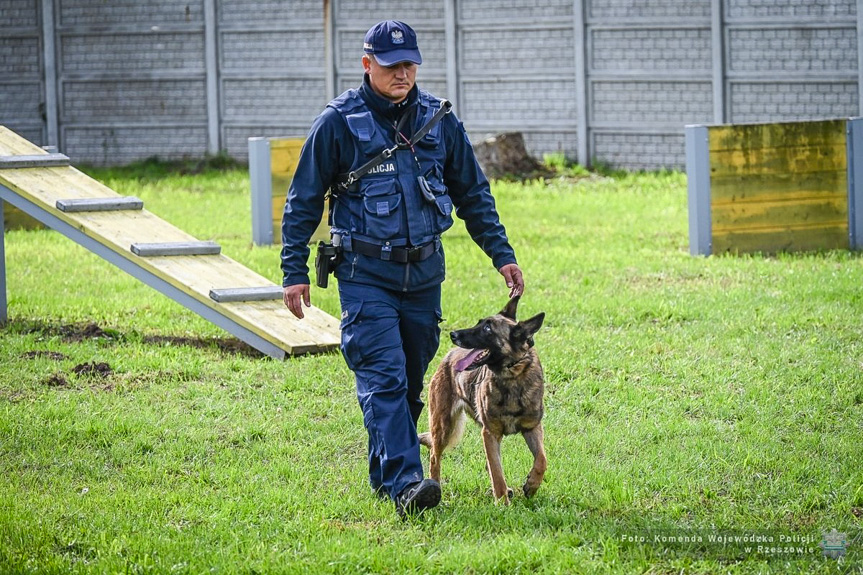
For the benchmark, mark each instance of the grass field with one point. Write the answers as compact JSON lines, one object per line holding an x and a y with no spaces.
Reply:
{"x":704,"y":415}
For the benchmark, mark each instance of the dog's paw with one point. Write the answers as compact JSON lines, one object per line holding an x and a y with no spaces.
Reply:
{"x":530,"y":490}
{"x":504,"y":498}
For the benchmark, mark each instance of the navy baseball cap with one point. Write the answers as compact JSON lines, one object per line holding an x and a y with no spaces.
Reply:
{"x":392,"y":42}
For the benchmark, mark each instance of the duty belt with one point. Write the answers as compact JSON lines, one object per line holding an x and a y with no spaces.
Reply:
{"x":389,"y":253}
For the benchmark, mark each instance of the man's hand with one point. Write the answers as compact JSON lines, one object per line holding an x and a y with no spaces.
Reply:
{"x":514,"y":280}
{"x":293,"y":297}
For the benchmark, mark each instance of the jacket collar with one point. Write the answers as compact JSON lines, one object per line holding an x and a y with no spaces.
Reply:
{"x":384,"y":107}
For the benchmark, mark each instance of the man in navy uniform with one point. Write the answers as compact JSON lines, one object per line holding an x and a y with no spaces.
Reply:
{"x":395,"y":165}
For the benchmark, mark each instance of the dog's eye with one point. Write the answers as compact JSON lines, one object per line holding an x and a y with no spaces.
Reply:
{"x":486,"y":328}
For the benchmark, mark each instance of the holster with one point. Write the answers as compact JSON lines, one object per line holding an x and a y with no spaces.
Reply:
{"x":325,"y":263}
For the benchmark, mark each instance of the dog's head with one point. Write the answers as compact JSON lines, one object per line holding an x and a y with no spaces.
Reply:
{"x":498,"y":340}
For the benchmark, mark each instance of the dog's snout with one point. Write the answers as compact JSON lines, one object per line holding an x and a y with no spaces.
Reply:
{"x":453,"y":335}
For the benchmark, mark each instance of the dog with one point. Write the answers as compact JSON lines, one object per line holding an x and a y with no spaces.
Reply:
{"x":495,"y":377}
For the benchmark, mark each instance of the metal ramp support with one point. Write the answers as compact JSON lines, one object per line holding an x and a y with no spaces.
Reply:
{"x":245,"y":304}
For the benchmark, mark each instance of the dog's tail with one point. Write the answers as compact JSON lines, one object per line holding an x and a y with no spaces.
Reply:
{"x":425,"y":438}
{"x":455,"y":432}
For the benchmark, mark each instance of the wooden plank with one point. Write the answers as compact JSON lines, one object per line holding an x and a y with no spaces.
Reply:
{"x":156,"y":249}
{"x":100,"y":204}
{"x":802,"y":159}
{"x":33,"y":161}
{"x":11,"y":144}
{"x":770,"y":215}
{"x":772,"y":241}
{"x":776,"y":135}
{"x":777,"y":187}
{"x":263,"y":293}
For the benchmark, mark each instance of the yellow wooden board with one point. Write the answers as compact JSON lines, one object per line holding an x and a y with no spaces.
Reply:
{"x":792,"y":239}
{"x":284,"y":157}
{"x":777,"y":135}
{"x":772,"y":215}
{"x":777,"y":161}
{"x":778,"y":187}
{"x":194,"y":275}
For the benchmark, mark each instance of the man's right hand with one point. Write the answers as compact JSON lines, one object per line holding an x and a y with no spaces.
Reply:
{"x":295,"y":296}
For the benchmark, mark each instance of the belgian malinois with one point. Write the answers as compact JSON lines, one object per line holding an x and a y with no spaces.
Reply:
{"x":495,"y":377}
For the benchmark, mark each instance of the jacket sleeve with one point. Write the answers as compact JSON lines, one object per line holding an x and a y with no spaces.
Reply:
{"x":471,"y":195}
{"x":316,"y":171}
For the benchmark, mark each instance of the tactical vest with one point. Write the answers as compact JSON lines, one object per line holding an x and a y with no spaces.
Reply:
{"x":386,"y":206}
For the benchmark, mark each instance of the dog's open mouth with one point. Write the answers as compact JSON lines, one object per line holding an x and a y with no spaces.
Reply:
{"x":474,"y":359}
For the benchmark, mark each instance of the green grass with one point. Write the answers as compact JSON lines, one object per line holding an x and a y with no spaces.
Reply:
{"x":686,"y":396}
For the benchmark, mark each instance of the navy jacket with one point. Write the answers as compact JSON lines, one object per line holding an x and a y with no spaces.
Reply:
{"x":386,"y":207}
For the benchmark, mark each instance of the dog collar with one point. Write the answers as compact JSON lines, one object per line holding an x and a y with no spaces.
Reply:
{"x":518,"y":361}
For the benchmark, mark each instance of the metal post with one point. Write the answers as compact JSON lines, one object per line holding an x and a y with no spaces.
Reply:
{"x":3,"y":314}
{"x":329,"y":49}
{"x":718,"y":44}
{"x":211,"y":63}
{"x":49,"y":57}
{"x":860,"y":56}
{"x":260,"y":177}
{"x":854,"y":151}
{"x":698,"y":186}
{"x":583,"y":130}
{"x":451,"y":38}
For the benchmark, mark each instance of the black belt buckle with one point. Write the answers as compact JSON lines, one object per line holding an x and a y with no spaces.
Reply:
{"x":414,"y":253}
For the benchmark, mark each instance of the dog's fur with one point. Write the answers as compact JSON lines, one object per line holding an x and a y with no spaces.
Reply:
{"x":494,"y":375}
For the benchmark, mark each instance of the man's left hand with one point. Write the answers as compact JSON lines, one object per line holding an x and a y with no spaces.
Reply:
{"x":514,"y":279}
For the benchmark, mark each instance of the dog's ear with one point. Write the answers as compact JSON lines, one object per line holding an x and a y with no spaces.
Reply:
{"x":511,"y":307}
{"x":532,"y":325}
{"x":525,"y":329}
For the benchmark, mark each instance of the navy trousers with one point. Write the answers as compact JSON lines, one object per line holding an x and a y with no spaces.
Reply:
{"x":388,"y":339}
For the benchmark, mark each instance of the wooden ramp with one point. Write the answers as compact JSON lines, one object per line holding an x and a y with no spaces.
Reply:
{"x":195,"y":274}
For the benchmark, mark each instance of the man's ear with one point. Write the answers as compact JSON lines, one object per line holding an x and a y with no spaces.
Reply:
{"x":367,"y":64}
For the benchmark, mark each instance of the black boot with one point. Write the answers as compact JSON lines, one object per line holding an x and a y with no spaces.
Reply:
{"x":418,"y":497}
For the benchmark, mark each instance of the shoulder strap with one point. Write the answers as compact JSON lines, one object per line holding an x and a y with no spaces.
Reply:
{"x":351,"y":177}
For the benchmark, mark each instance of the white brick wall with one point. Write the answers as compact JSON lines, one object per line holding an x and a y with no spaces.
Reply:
{"x":606,"y":9}
{"x":132,"y":76}
{"x":21,"y":84}
{"x":786,"y":49}
{"x":802,"y":9}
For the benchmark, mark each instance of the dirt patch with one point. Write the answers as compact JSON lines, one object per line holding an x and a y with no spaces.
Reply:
{"x":93,"y":369}
{"x":71,"y":332}
{"x":79,"y":332}
{"x":228,"y":345}
{"x":56,"y":380}
{"x":84,"y":331}
{"x":89,"y":371}
{"x":55,"y":355}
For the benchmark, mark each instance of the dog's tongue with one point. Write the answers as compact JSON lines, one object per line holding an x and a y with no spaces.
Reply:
{"x":465,"y":362}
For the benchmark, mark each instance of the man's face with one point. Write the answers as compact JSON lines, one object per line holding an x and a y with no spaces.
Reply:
{"x":393,"y":82}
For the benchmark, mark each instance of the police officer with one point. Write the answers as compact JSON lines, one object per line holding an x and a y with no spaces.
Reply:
{"x":387,"y":224}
